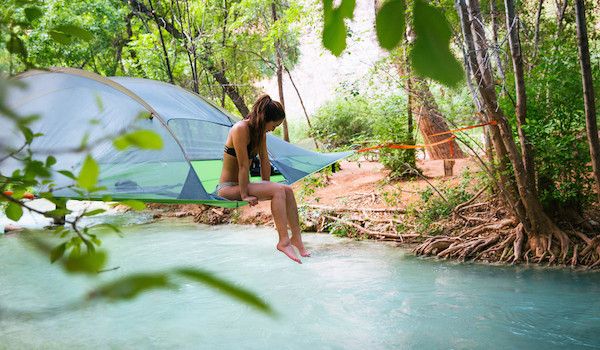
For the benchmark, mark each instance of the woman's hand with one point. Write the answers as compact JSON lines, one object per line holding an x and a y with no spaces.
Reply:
{"x":252,"y":201}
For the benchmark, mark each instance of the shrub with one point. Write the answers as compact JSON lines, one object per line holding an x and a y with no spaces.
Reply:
{"x":359,"y":120}
{"x":343,"y":121}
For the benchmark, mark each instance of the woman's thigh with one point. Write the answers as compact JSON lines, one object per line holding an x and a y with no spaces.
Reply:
{"x":265,"y":190}
{"x":262,"y":190}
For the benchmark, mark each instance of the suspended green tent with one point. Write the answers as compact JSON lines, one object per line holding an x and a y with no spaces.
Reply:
{"x":72,"y":103}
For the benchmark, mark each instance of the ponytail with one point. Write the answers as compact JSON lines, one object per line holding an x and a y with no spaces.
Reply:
{"x":263,"y":111}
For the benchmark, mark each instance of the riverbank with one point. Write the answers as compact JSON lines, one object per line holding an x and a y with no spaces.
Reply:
{"x":434,"y":215}
{"x":359,"y":200}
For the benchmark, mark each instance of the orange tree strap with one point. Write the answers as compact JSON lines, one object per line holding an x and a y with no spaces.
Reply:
{"x":452,"y":137}
{"x":395,"y":146}
{"x":493,"y":122}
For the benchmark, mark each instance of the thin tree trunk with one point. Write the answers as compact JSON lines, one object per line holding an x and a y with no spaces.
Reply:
{"x":162,"y":42}
{"x":484,"y":80}
{"x":512,"y":27}
{"x":301,"y":103}
{"x":409,"y":98}
{"x":536,"y":37}
{"x":560,"y":17}
{"x":224,"y":36}
{"x":132,"y":53}
{"x":286,"y":134}
{"x":189,"y":47}
{"x":218,"y":75}
{"x":588,"y":90}
{"x":496,"y":51}
{"x":540,"y":225}
{"x":120,"y":42}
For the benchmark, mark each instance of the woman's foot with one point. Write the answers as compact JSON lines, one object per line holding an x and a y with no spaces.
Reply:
{"x":297,"y":242}
{"x":288,"y":250}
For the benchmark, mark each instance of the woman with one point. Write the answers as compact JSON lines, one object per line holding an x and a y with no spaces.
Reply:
{"x":247,"y":138}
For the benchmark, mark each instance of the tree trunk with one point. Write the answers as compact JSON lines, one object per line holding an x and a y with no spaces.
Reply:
{"x":536,"y":37}
{"x":560,"y":16}
{"x":190,"y":48}
{"x":538,"y":225}
{"x":286,"y":134}
{"x":507,"y":186}
{"x":430,"y":121}
{"x":409,"y":97}
{"x":496,"y":51}
{"x":588,"y":90}
{"x":512,"y":28}
{"x":162,"y":43}
{"x":132,"y":53}
{"x":218,"y":75}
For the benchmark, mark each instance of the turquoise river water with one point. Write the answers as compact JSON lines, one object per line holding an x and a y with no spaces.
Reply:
{"x":349,"y":295}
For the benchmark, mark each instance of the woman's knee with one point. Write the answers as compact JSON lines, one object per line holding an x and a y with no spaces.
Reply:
{"x":288,"y":190}
{"x":279,"y":191}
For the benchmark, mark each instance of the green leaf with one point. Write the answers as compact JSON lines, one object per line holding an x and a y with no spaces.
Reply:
{"x":58,"y":252}
{"x":57,"y":213}
{"x":110,"y":226}
{"x":431,"y":56}
{"x":390,"y":23}
{"x":50,"y":161}
{"x":84,"y":140}
{"x":60,"y":37}
{"x":334,"y":34}
{"x":99,"y":102}
{"x":16,"y":46}
{"x":94,"y":212}
{"x":33,"y":13}
{"x":334,"y":28}
{"x":144,"y":139}
{"x":89,"y":263}
{"x":131,"y":286}
{"x":88,"y":176}
{"x":68,"y":174}
{"x":346,"y":8}
{"x":27,"y":133}
{"x":133,"y":204}
{"x":14,"y":211}
{"x":74,"y":31}
{"x":226,"y":288}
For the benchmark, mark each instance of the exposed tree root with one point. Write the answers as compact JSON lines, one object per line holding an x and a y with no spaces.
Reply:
{"x":506,"y":241}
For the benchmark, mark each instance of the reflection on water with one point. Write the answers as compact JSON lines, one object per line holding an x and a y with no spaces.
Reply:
{"x":349,"y":295}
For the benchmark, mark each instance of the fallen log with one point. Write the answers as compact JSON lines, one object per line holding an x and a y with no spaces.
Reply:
{"x":372,"y":233}
{"x":347,"y":209}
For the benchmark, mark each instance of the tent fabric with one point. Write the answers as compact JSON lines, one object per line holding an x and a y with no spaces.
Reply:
{"x":72,"y":103}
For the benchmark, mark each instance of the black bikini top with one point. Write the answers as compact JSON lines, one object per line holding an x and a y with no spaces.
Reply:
{"x":231,"y":152}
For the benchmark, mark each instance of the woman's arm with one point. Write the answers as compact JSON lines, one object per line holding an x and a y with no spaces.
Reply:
{"x":240,"y":137}
{"x":265,"y":163}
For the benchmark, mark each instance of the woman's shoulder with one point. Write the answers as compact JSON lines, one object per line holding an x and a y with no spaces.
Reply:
{"x":240,"y":128}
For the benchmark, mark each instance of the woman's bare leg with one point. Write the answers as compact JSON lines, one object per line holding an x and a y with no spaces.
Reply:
{"x":293,"y":221}
{"x":277,"y":194}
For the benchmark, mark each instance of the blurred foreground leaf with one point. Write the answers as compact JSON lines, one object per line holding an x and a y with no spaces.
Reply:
{"x":390,"y":23}
{"x":334,"y":28}
{"x":144,"y":139}
{"x":66,"y":33}
{"x":89,"y":263}
{"x":88,"y":176}
{"x":14,"y":211}
{"x":225,"y":287}
{"x":431,"y":56}
{"x":131,"y":286}
{"x":135,"y":205}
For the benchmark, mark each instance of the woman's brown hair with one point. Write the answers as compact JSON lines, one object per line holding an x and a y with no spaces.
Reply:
{"x":263,"y":111}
